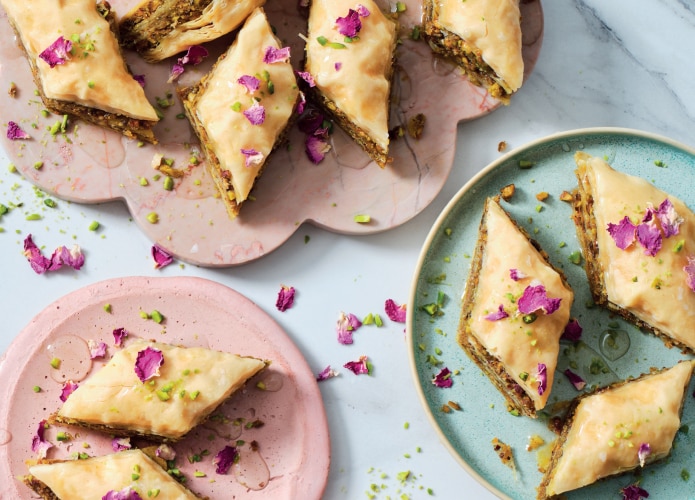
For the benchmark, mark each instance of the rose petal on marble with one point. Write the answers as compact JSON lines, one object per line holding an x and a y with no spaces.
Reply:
{"x":326,"y":373}
{"x":394,"y":311}
{"x":39,"y":263}
{"x":668,"y":218}
{"x":349,"y":25}
{"x":359,"y":367}
{"x":72,"y":257}
{"x":273,"y":55}
{"x":57,"y":53}
{"x":119,"y":335}
{"x":497,"y":315}
{"x":161,"y":257}
{"x":346,"y":326}
{"x":252,"y":157}
{"x":623,"y":233}
{"x":285,"y":298}
{"x":316,"y":148}
{"x":121,"y":443}
{"x":542,"y":377}
{"x":194,"y":55}
{"x":310,"y":121}
{"x":689,"y":269}
{"x":15,"y":132}
{"x":97,"y":348}
{"x":633,"y":492}
{"x":250,"y":83}
{"x":644,"y":451}
{"x":573,"y":330}
{"x":148,"y":362}
{"x":126,"y":493}
{"x":255,"y":114}
{"x":577,"y":381}
{"x":68,"y":388}
{"x":443,"y":378}
{"x":535,"y":298}
{"x":38,"y":444}
{"x":225,"y":458}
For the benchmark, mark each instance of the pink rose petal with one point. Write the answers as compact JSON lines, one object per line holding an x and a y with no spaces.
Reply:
{"x":119,"y":335}
{"x":273,"y":55}
{"x":15,"y":132}
{"x":443,"y":378}
{"x":577,"y":381}
{"x":644,"y":451}
{"x":623,"y":233}
{"x":250,"y":83}
{"x":57,"y":53}
{"x":359,"y":367}
{"x":573,"y":330}
{"x":97,"y":349}
{"x":316,"y":148}
{"x":349,"y":25}
{"x":38,"y":262}
{"x":148,"y":362}
{"x":38,"y":444}
{"x":161,"y":257}
{"x":165,"y":452}
{"x":306,"y":76}
{"x":362,"y":10}
{"x":252,"y":157}
{"x":534,"y":298}
{"x":634,"y":492}
{"x":689,"y":269}
{"x":194,"y":55}
{"x":668,"y":218}
{"x":497,"y":315}
{"x":255,"y":114}
{"x":224,"y":459}
{"x":346,"y":326}
{"x":68,"y":388}
{"x":285,"y":298}
{"x":141,"y":79}
{"x":394,"y":311}
{"x":649,"y":236}
{"x":542,"y":377}
{"x":516,"y":275}
{"x":126,"y":493}
{"x":326,"y":373}
{"x":121,"y":443}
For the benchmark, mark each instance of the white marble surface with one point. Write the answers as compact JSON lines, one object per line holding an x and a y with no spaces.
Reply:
{"x":620,"y":63}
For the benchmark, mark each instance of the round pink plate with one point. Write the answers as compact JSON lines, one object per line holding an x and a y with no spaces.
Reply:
{"x":293,"y":441}
{"x":91,"y":165}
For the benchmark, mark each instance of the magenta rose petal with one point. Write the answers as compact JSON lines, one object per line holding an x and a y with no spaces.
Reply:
{"x":148,"y":362}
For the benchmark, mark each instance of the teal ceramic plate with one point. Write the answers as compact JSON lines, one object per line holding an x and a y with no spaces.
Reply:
{"x":610,"y":350}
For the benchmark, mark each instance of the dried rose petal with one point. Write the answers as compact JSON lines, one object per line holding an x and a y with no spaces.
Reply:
{"x":14,"y":132}
{"x":38,"y":262}
{"x":70,"y":257}
{"x":194,"y":55}
{"x":577,"y":381}
{"x":38,"y":444}
{"x":252,"y":157}
{"x":119,"y":335}
{"x":97,"y":349}
{"x":224,"y":459}
{"x":359,"y":367}
{"x":161,"y":257}
{"x":68,"y":388}
{"x":573,"y":330}
{"x":497,"y":315}
{"x":285,"y":298}
{"x":535,"y":298}
{"x":633,"y":492}
{"x":623,"y":233}
{"x":316,"y":148}
{"x":126,"y":493}
{"x":148,"y":362}
{"x":121,"y":443}
{"x":349,"y":25}
{"x":306,"y":76}
{"x":648,"y":234}
{"x":338,"y":65}
{"x":251,"y":83}
{"x":141,"y":79}
{"x":443,"y":378}
{"x":347,"y":324}
{"x":57,"y":53}
{"x":301,"y":104}
{"x":362,"y":10}
{"x":310,"y":121}
{"x":644,"y":451}
{"x":689,"y":269}
{"x":668,"y":218}
{"x":516,"y":275}
{"x":273,"y":55}
{"x":165,"y":452}
{"x":255,"y":114}
{"x":542,"y":377}
{"x":326,"y":373}
{"x":394,"y":311}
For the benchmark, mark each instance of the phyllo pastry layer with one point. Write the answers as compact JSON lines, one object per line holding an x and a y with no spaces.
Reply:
{"x":96,"y":477}
{"x":350,"y":51}
{"x":77,"y":64}
{"x":157,"y":390}
{"x":483,"y":37}
{"x":515,"y":308}
{"x":158,"y":29}
{"x":639,"y":246}
{"x":616,"y":429}
{"x":242,"y":108}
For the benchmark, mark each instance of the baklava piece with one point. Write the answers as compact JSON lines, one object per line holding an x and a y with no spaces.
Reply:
{"x":617,"y":429}
{"x":483,"y":37}
{"x":109,"y":476}
{"x":639,"y":246}
{"x":77,"y":65}
{"x":156,"y":390}
{"x":350,"y":51}
{"x":514,"y":310}
{"x":242,"y":109}
{"x":158,"y":29}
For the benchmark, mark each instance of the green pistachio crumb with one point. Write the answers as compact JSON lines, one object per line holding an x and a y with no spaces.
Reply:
{"x":50,"y":203}
{"x":168,"y":183}
{"x":156,"y":316}
{"x":144,"y":181}
{"x":55,"y":363}
{"x":401,"y":7}
{"x":163,"y":395}
{"x":378,"y":321}
{"x":529,"y":318}
{"x":575,"y":257}
{"x":107,"y":308}
{"x":193,"y":395}
{"x":236,"y":106}
{"x":261,"y":385}
{"x":38,"y":165}
{"x":415,"y":33}
{"x":36,"y":388}
{"x":33,"y":217}
{"x":134,"y":476}
{"x":406,"y":425}
{"x":153,"y":493}
{"x":144,"y":315}
{"x":62,"y":436}
{"x":362,"y":218}
{"x":199,"y":474}
{"x":94,"y":226}
{"x":152,"y":218}
{"x":448,"y":231}
{"x":90,"y":84}
{"x":525,"y":164}
{"x":659,"y":163}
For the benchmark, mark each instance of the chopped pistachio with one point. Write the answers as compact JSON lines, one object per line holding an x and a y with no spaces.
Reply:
{"x":152,"y":218}
{"x":107,"y":308}
{"x":575,"y":257}
{"x":525,"y":164}
{"x":193,"y":394}
{"x":62,"y":436}
{"x":38,"y":165}
{"x":33,"y":217}
{"x":94,"y":226}
{"x":362,"y":218}
{"x":168,"y":183}
{"x":50,"y":203}
{"x":55,"y":363}
{"x":36,"y":388}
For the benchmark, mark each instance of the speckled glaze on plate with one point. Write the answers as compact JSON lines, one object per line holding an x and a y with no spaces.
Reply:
{"x":293,"y":441}
{"x":444,"y":264}
{"x":98,"y":165}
